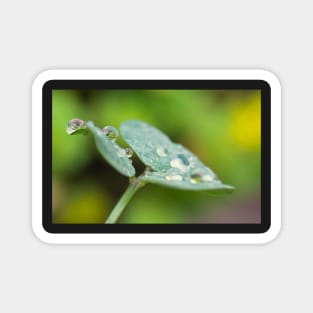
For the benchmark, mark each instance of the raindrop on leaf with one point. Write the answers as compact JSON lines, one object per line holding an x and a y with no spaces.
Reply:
{"x":161,"y":151}
{"x":181,"y":163}
{"x":174,"y":177}
{"x":129,"y":152}
{"x":111,"y":132}
{"x":199,"y":177}
{"x":183,"y":159}
{"x":76,"y":126}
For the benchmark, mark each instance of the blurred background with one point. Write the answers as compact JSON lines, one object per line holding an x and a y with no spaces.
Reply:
{"x":223,"y":128}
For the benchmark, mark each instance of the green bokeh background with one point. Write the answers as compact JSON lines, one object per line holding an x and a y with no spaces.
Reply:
{"x":221,"y":127}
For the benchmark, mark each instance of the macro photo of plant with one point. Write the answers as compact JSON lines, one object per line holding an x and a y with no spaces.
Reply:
{"x":156,"y":156}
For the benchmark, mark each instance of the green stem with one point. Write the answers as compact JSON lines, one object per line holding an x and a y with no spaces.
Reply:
{"x":134,"y":185}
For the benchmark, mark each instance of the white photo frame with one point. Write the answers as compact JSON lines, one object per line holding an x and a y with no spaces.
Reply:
{"x":153,"y":238}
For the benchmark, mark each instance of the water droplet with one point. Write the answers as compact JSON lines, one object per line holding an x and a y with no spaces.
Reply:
{"x":198,"y":177}
{"x":161,"y":151}
{"x":75,"y":125}
{"x":111,"y":132}
{"x":129,"y":152}
{"x":184,"y":159}
{"x":174,"y":177}
{"x":181,"y":163}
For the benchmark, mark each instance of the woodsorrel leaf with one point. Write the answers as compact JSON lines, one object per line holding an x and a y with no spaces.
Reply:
{"x":170,"y":164}
{"x":116,"y":156}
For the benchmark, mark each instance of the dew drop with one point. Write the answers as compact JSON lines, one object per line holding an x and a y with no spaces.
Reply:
{"x":161,"y":151}
{"x":174,"y":177}
{"x":181,"y":163}
{"x":111,"y":132}
{"x":128,"y":152}
{"x":183,"y":159}
{"x":198,"y":177}
{"x":75,"y":125}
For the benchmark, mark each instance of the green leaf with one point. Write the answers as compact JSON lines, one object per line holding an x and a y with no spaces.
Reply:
{"x":178,"y":180}
{"x":149,"y":143}
{"x":170,"y":164}
{"x":111,"y":151}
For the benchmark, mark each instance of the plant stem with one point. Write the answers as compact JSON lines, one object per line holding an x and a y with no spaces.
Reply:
{"x":134,"y":185}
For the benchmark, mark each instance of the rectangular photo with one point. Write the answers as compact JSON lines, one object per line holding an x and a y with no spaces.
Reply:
{"x":156,"y":156}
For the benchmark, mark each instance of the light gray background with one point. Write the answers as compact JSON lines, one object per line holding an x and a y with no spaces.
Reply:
{"x":38,"y":35}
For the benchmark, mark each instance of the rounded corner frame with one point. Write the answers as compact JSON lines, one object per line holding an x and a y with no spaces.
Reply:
{"x":260,"y":238}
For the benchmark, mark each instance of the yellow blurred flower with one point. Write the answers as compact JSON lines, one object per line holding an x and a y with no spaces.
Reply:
{"x":245,"y":126}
